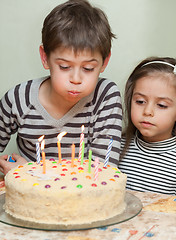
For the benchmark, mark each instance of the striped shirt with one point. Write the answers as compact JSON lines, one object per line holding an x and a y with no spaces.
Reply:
{"x":150,"y":166}
{"x":100,"y":113}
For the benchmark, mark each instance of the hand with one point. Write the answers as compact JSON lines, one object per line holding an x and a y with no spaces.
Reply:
{"x":7,"y":166}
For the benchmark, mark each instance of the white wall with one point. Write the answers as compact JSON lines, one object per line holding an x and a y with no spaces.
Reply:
{"x":143,"y":28}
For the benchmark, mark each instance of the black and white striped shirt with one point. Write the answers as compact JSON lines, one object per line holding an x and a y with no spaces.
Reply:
{"x":100,"y":113}
{"x":150,"y":166}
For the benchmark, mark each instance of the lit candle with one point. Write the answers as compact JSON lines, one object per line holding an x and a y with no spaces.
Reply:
{"x":43,"y":156}
{"x":96,"y":164}
{"x":59,"y":137}
{"x":82,"y":154}
{"x":73,"y":155}
{"x":38,"y":148}
{"x":108,"y":152}
{"x":81,"y":141}
{"x":90,"y":159}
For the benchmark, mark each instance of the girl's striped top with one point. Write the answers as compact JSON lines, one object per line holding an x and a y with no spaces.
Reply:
{"x":100,"y":113}
{"x":150,"y":166}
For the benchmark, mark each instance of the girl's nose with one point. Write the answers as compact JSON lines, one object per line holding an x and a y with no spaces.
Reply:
{"x":149,"y":110}
{"x":75,"y":77}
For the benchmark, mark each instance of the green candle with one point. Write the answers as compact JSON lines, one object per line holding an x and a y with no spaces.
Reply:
{"x":90,"y":159}
{"x":82,"y":155}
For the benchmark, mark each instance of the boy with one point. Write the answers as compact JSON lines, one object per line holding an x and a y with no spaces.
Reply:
{"x":76,"y":45}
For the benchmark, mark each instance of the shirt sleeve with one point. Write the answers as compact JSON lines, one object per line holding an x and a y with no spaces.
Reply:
{"x":8,"y":121}
{"x":106,"y":122}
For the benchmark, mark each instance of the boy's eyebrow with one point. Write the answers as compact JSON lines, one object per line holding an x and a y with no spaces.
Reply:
{"x":161,"y":98}
{"x":66,"y":60}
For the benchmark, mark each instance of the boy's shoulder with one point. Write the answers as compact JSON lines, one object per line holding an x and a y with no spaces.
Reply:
{"x":107,"y":85}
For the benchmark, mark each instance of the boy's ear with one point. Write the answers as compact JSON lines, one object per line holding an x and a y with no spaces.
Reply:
{"x":105,"y":62}
{"x":43,"y":57}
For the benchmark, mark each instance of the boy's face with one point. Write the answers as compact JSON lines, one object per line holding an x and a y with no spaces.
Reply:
{"x":73,"y":76}
{"x":153,"y":107}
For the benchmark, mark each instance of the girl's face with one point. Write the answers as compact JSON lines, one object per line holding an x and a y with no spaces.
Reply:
{"x":153,"y":107}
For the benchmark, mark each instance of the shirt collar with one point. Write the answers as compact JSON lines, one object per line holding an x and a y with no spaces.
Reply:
{"x":156,"y":147}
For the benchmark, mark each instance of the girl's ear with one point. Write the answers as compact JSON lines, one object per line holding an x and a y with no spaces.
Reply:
{"x":105,"y":63}
{"x":43,"y":57}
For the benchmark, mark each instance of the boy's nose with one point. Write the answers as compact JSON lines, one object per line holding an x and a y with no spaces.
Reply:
{"x":149,"y":110}
{"x":75,"y":77}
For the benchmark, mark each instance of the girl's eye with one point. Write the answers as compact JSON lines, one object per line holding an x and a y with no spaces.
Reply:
{"x":139,"y":101}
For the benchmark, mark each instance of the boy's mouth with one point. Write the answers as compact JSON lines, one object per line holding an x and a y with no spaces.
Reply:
{"x":74,"y":93}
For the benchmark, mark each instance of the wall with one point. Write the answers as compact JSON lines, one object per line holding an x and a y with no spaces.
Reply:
{"x":143,"y":28}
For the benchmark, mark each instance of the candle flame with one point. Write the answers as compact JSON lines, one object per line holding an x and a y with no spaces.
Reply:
{"x":82,"y":128}
{"x":41,"y":138}
{"x":43,"y":145}
{"x":59,"y":136}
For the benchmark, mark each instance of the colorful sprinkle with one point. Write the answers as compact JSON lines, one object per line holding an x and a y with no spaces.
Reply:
{"x":17,"y":177}
{"x":103,"y":183}
{"x":117,"y":176}
{"x":54,"y":166}
{"x":88,"y":177}
{"x":36,"y":184}
{"x":15,"y":173}
{"x":47,"y":186}
{"x":117,"y":230}
{"x":63,"y":187}
{"x":72,"y":173}
{"x":94,"y":185}
{"x":56,"y":179}
{"x":30,"y":163}
{"x":79,"y":186}
{"x":54,"y":162}
{"x":65,"y":169}
{"x":81,"y":168}
{"x":20,"y":166}
{"x":74,"y":179}
{"x":63,"y":175}
{"x":23,"y":179}
{"x":81,"y":171}
{"x":111,"y":179}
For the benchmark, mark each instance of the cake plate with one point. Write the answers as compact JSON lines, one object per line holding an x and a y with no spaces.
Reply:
{"x":133,"y":208}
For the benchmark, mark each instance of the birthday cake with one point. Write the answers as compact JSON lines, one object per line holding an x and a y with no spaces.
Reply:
{"x":65,"y":194}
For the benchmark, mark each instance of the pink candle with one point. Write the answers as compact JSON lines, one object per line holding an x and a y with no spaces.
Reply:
{"x":81,"y":142}
{"x":96,"y":164}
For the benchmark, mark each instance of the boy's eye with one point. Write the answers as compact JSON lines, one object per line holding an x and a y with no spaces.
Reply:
{"x":87,"y":69}
{"x":162,"y":105}
{"x":62,"y":67}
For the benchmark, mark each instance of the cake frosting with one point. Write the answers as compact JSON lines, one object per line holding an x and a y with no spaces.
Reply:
{"x":65,"y":194}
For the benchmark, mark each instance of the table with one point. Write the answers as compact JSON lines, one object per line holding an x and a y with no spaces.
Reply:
{"x":147,"y":225}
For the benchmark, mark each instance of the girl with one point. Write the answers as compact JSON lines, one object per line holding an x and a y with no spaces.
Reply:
{"x":148,"y":155}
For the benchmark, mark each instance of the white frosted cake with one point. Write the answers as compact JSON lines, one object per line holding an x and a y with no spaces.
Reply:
{"x":64,"y":194}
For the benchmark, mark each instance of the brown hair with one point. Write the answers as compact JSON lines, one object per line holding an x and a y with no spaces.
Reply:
{"x":78,"y":25}
{"x":143,"y":70}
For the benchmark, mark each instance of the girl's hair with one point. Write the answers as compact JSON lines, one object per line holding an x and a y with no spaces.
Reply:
{"x":145,"y":68}
{"x":78,"y":25}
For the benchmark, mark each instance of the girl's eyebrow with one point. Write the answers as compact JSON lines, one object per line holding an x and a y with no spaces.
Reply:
{"x":159,"y":98}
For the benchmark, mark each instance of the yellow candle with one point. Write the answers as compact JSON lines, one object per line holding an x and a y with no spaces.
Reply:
{"x":73,"y":155}
{"x":59,"y":145}
{"x":43,"y":156}
{"x":59,"y":151}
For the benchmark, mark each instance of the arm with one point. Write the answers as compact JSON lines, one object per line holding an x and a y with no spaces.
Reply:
{"x":7,"y":166}
{"x":107,"y":122}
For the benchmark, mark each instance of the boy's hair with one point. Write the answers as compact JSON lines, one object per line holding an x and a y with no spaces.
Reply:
{"x":147,"y":67}
{"x":77,"y":25}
